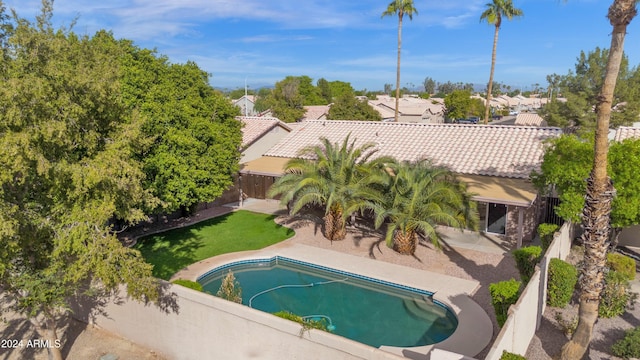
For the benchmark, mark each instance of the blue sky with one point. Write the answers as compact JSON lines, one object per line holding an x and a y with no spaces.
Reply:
{"x":263,"y":41}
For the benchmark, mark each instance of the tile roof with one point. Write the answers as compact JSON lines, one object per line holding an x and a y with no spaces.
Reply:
{"x":255,"y":127}
{"x":493,"y":150}
{"x":407,"y":105}
{"x":627,"y":132}
{"x":315,"y":112}
{"x":530,"y":119}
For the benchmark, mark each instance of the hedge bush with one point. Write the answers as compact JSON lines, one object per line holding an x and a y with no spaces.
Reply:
{"x":546,"y":231}
{"x":562,"y":282}
{"x":188,"y":283}
{"x":503,"y":295}
{"x":526,"y":260}
{"x":306,"y":323}
{"x":616,"y":296}
{"x":511,"y":356}
{"x":629,"y":345}
{"x":622,"y":264}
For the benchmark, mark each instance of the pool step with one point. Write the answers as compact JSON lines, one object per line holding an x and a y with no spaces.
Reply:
{"x":426,"y":310}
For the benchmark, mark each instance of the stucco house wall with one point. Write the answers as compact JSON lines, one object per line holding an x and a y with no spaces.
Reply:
{"x":264,"y":143}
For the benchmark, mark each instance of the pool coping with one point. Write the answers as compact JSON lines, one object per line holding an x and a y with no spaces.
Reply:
{"x":474,"y":331}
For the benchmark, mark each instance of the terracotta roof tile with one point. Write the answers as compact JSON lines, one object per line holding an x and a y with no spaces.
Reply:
{"x":493,"y":150}
{"x":530,"y":119}
{"x":315,"y":112}
{"x":255,"y":127}
{"x":626,"y":132}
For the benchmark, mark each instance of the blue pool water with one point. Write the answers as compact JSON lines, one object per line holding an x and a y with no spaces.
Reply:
{"x":363,"y":309}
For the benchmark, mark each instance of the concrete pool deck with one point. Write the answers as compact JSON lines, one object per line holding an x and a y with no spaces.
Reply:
{"x":472,"y":335}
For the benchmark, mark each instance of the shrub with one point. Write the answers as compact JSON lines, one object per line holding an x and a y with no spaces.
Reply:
{"x":511,"y":356}
{"x":526,"y":259}
{"x":629,"y":346}
{"x":503,"y":295}
{"x":562,"y":282}
{"x":616,"y":296}
{"x":622,"y":264}
{"x":546,"y":231}
{"x":307,"y":324}
{"x":230,"y":289}
{"x":188,"y":284}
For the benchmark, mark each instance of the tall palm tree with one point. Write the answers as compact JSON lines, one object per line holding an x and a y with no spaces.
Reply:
{"x":600,"y":191}
{"x":494,"y":13}
{"x":400,"y":8}
{"x":341,"y":178}
{"x":420,"y":197}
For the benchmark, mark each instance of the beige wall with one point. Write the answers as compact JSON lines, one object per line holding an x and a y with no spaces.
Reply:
{"x":525,"y":315}
{"x":207,"y":327}
{"x":260,"y":146}
{"x":630,"y":236}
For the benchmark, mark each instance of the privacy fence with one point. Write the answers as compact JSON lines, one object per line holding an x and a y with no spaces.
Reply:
{"x":524,"y":317}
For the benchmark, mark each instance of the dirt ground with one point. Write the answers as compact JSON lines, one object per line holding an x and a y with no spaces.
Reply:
{"x":79,"y":341}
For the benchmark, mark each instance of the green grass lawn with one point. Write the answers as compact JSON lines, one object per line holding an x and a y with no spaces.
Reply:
{"x":175,"y":249}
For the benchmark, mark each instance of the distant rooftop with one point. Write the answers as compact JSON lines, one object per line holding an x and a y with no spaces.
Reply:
{"x":530,"y":119}
{"x":626,"y":132}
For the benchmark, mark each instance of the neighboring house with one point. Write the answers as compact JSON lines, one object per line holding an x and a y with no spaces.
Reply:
{"x":516,"y":103}
{"x":387,"y":114}
{"x":316,"y":112}
{"x":410,"y":109}
{"x":246,"y":104}
{"x":627,"y":132}
{"x":529,"y":119}
{"x":259,"y":134}
{"x":495,"y":162}
{"x":629,"y":236}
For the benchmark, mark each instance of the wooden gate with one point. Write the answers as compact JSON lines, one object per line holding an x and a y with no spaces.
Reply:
{"x":256,"y":186}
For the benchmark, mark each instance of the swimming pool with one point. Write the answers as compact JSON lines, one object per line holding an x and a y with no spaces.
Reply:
{"x":360,"y":308}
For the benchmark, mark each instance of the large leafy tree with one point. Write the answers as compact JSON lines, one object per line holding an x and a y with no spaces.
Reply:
{"x":340,"y":88}
{"x":600,"y":190}
{"x":341,"y":178}
{"x":325,"y":90}
{"x":419,"y":198}
{"x":567,"y":162}
{"x":458,"y":104}
{"x":581,"y":88}
{"x":493,"y":14}
{"x":191,"y":152}
{"x":68,"y":169}
{"x":348,"y":107}
{"x":429,"y":85}
{"x":286,"y":101}
{"x":399,"y":8}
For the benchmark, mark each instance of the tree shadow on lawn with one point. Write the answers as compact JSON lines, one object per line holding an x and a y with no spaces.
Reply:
{"x":177,"y":248}
{"x":171,"y":251}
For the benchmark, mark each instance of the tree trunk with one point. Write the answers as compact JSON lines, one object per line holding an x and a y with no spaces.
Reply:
{"x":404,"y":242}
{"x":493,"y":66}
{"x":334,"y":227}
{"x":52,"y":337}
{"x":614,"y":238}
{"x":45,"y":324}
{"x":600,"y":191}
{"x":398,"y":66}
